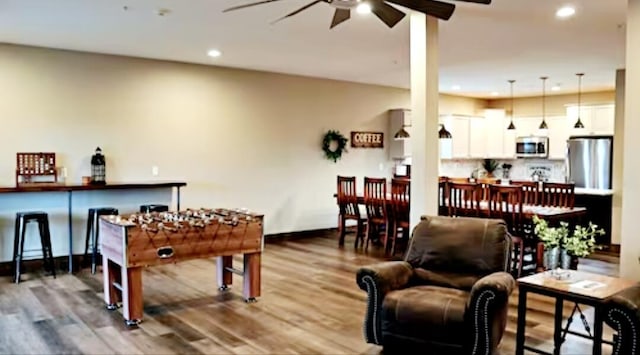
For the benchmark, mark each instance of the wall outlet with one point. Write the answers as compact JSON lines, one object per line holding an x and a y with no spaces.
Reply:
{"x":154,"y":170}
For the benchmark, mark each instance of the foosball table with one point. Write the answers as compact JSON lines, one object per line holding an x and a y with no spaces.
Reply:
{"x":132,"y":242}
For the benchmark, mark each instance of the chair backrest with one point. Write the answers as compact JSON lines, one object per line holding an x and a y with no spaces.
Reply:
{"x":400,"y":193}
{"x":530,"y":191}
{"x":505,"y":202}
{"x":443,"y":195}
{"x":558,"y":194}
{"x":464,"y":198}
{"x":466,"y":246}
{"x":375,"y":197}
{"x":347,"y":197}
{"x":485,"y":182}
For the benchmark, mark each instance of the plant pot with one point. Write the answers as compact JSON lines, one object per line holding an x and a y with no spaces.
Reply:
{"x":551,"y":258}
{"x":567,"y":261}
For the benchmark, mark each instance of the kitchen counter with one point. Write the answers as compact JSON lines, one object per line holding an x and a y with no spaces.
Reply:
{"x":594,"y":192}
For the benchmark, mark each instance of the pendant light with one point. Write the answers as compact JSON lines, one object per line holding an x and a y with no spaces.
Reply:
{"x":402,"y":133}
{"x":543,"y":125}
{"x":511,"y":125}
{"x":443,"y":133}
{"x":579,"y":122}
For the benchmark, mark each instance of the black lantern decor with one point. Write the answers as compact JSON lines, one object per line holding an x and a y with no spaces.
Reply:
{"x":98,"y":168}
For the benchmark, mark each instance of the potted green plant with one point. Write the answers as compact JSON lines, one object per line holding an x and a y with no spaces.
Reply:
{"x":552,"y":238}
{"x":562,"y":248}
{"x":490,"y":165}
{"x":579,"y":245}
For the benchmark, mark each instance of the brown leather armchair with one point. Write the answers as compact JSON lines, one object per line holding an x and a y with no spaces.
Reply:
{"x":450,"y":293}
{"x":622,"y":313}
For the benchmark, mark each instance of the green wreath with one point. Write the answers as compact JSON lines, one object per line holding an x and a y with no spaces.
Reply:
{"x":330,"y":137}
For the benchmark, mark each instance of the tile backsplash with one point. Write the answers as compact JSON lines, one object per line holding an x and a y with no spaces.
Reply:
{"x":522,"y":169}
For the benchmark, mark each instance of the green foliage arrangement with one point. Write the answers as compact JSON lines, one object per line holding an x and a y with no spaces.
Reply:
{"x":580,"y":243}
{"x":490,"y":165}
{"x":341,"y":145}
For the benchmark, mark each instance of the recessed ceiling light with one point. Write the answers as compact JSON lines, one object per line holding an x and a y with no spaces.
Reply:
{"x":495,"y":93}
{"x":214,"y":53}
{"x":364,"y":8}
{"x":555,"y":87}
{"x":455,"y":87}
{"x":565,"y":11}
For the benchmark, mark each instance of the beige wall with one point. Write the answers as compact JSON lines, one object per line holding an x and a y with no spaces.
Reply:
{"x":555,"y":104}
{"x":239,"y":138}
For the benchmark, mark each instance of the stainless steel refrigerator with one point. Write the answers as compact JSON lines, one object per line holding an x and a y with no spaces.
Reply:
{"x":589,"y":161}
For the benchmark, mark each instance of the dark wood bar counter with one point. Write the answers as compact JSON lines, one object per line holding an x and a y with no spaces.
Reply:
{"x":70,"y":188}
{"x":80,"y":187}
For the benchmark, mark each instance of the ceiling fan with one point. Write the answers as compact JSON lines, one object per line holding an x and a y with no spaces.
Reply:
{"x":381,"y":8}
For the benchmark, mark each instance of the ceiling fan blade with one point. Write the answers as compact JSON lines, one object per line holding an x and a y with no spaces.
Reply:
{"x":487,"y":2}
{"x":340,"y":16}
{"x":299,"y":10}
{"x":441,"y":10}
{"x":387,"y":13}
{"x":248,"y":5}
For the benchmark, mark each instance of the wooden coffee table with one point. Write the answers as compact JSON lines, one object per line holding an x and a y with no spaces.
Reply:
{"x":595,"y":291}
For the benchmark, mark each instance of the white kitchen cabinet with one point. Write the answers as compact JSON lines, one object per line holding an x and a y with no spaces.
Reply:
{"x":527,"y":126}
{"x":602,"y":120}
{"x":399,"y":149}
{"x":459,"y":128}
{"x":477,"y":138}
{"x":509,"y":142}
{"x":558,"y":135}
{"x":597,"y":119}
{"x":495,"y":133}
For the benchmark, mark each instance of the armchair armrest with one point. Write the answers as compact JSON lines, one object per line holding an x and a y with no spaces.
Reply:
{"x":487,"y":308}
{"x":622,"y":313}
{"x":378,"y":280}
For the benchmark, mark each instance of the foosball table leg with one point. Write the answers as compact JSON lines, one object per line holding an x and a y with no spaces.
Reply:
{"x":224,"y":276}
{"x":251,"y":277}
{"x":110,"y":271}
{"x":132,"y":295}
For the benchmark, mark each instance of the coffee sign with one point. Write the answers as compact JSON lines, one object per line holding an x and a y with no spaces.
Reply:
{"x":367,"y":139}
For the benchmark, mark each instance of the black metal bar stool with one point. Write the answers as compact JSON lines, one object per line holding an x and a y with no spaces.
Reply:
{"x":153,"y":208}
{"x":22,"y":219}
{"x":93,"y":232}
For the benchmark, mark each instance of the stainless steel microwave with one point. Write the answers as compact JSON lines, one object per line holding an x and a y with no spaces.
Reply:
{"x":532,"y":147}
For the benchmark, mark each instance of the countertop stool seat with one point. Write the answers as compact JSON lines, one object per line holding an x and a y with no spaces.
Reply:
{"x":93,"y":232}
{"x":22,"y":219}
{"x":153,"y":208}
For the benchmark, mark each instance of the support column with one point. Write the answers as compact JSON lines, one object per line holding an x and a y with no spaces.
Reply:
{"x":629,"y":237}
{"x":618,"y":149}
{"x":424,"y":116}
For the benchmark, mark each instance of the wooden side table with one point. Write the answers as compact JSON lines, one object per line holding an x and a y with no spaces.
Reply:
{"x":568,"y":289}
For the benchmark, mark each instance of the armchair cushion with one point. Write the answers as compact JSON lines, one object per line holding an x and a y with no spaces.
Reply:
{"x":445,"y":279}
{"x":465,"y":246}
{"x":425,"y":313}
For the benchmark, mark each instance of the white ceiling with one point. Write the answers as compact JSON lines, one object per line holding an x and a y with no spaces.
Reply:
{"x":481,"y":46}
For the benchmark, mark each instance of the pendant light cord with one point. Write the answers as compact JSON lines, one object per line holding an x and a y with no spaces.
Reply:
{"x":544,"y":85}
{"x":511,"y":112}
{"x":579,"y":91}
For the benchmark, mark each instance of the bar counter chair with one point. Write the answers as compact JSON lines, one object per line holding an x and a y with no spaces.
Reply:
{"x":375,"y":202}
{"x":93,"y":232}
{"x":153,"y":208}
{"x":531,"y":191}
{"x":22,"y":220}
{"x":464,"y":199}
{"x":349,"y":210}
{"x":401,"y":208}
{"x":558,"y":194}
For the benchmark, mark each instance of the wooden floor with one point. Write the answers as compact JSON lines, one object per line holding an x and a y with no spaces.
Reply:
{"x":310,"y":304}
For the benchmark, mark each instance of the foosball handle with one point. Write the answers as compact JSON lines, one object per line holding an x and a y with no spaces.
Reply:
{"x":223,"y":288}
